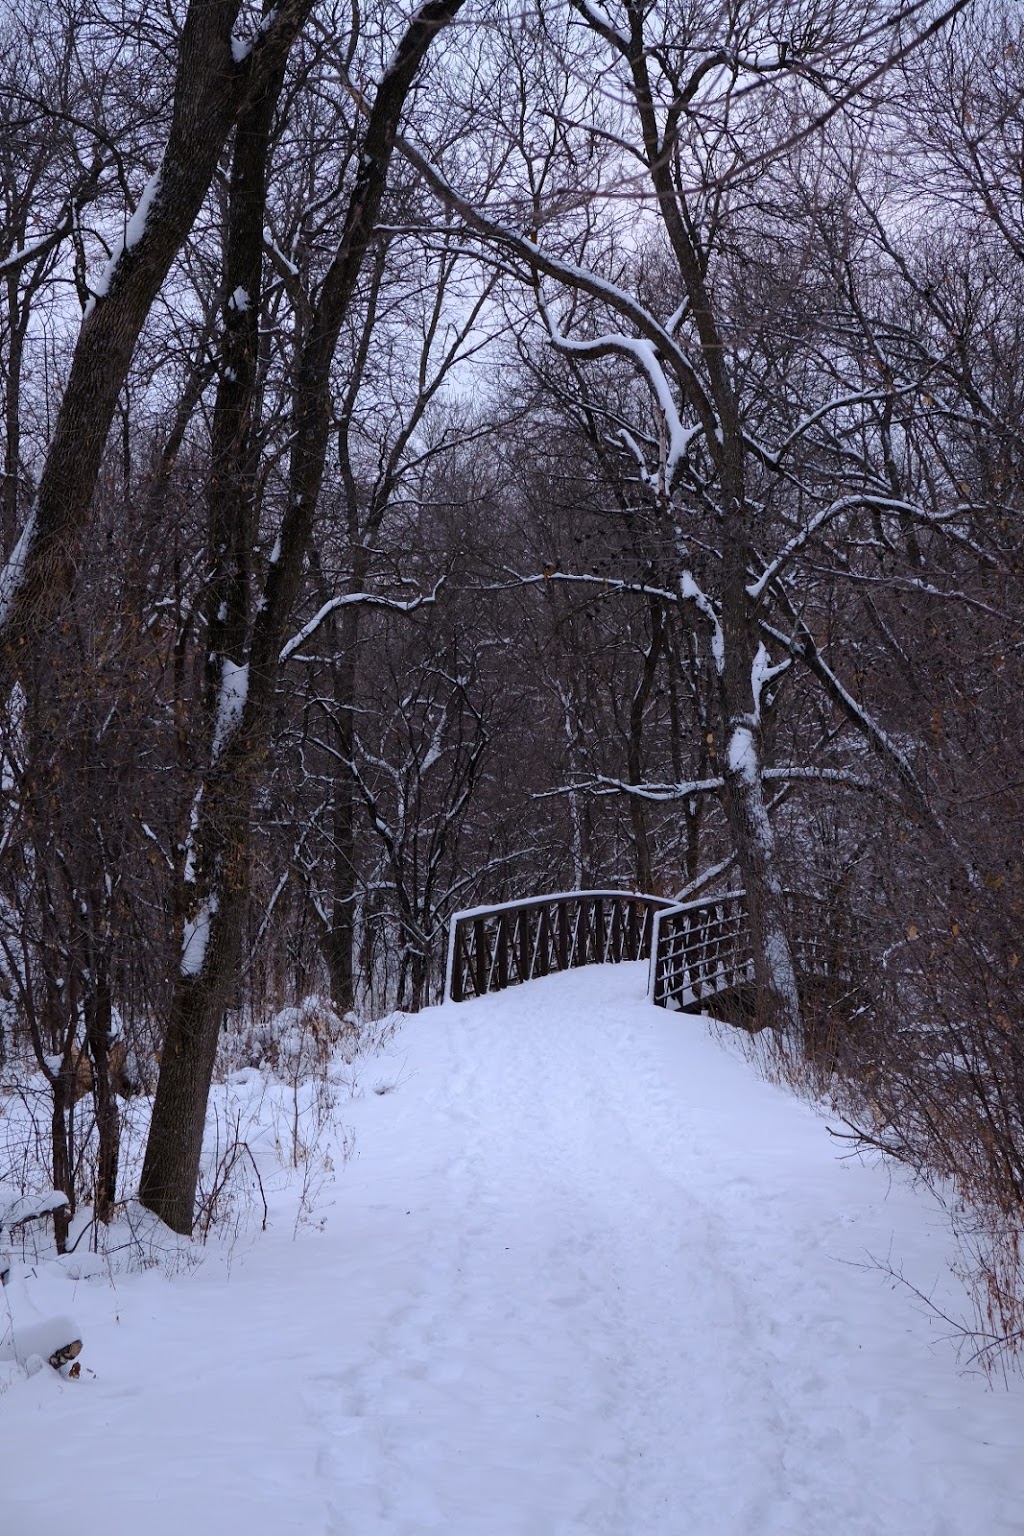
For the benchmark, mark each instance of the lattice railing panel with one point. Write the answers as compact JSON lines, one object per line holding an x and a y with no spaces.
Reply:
{"x":491,"y":948}
{"x":702,"y":951}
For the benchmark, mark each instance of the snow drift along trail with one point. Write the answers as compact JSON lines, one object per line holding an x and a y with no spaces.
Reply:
{"x":586,"y":1276}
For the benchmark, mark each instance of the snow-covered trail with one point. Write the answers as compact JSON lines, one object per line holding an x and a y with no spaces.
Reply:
{"x":586,"y":1276}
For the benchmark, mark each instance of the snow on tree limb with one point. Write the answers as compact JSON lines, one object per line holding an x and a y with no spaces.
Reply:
{"x":604,"y":784}
{"x":692,"y":593}
{"x":26,"y":1208}
{"x":574,"y":578}
{"x":799,"y":541}
{"x":642,"y":354}
{"x":14,"y":571}
{"x":582,"y":279}
{"x":353,"y":599}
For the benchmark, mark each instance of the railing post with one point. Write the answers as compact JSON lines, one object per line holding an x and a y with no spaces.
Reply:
{"x":655,"y":991}
{"x":681,"y":974}
{"x":454,"y":984}
{"x":480,"y":957}
{"x":523,"y":930}
{"x":563,"y":936}
{"x":502,"y":950}
{"x":615,"y":938}
{"x":543,"y":962}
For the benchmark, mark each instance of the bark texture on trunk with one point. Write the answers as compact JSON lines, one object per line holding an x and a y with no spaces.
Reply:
{"x":220,"y":834}
{"x":170,"y":1171}
{"x":211,"y":89}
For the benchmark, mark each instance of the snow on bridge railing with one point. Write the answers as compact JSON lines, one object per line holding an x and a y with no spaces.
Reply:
{"x":699,"y":950}
{"x":702,"y":951}
{"x":490,"y":948}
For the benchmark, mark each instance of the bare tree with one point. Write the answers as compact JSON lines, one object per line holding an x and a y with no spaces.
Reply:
{"x":215,"y":872}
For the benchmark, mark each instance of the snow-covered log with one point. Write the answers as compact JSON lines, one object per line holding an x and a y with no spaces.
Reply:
{"x":18,"y":1213}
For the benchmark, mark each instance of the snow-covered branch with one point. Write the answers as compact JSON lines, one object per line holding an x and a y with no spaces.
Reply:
{"x":575,"y":279}
{"x":351,"y":599}
{"x":603,"y":583}
{"x":826,"y":515}
{"x":603,"y":784}
{"x":692,"y":593}
{"x":644,"y":357}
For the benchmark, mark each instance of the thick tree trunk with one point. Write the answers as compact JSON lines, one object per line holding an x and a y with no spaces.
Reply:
{"x":777,"y":995}
{"x":215,"y":878}
{"x":219,"y":837}
{"x":17,"y":321}
{"x":739,"y":735}
{"x":170,"y":1172}
{"x":211,"y":88}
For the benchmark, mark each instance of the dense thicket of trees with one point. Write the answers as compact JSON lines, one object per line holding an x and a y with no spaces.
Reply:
{"x":456,"y":453}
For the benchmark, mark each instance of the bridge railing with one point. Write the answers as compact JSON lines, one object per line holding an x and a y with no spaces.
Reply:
{"x":701,"y":950}
{"x":490,"y":948}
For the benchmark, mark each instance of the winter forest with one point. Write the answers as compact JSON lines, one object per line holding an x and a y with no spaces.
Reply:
{"x":458,"y":453}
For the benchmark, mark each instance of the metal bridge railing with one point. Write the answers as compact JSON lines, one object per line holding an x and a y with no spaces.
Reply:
{"x":699,"y":950}
{"x":702,"y":951}
{"x":490,"y":948}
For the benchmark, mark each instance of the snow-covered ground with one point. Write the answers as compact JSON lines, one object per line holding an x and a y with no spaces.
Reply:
{"x":584,"y":1275}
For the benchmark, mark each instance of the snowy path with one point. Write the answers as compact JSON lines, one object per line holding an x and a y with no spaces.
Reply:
{"x":585,"y":1277}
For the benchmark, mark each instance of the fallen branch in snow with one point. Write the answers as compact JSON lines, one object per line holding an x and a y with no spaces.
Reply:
{"x":31,"y":1208}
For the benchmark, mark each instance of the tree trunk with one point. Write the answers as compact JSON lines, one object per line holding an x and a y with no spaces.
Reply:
{"x":211,"y":88}
{"x":170,"y":1171}
{"x":108,"y":1121}
{"x":753,"y":839}
{"x":219,"y":849}
{"x":635,"y":753}
{"x":339,"y":947}
{"x":60,"y":1153}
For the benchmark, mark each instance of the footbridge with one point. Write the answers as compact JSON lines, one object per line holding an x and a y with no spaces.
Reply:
{"x":700,"y":952}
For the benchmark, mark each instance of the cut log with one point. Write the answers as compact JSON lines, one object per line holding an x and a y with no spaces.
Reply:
{"x":55,"y":1339}
{"x":65,"y":1355}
